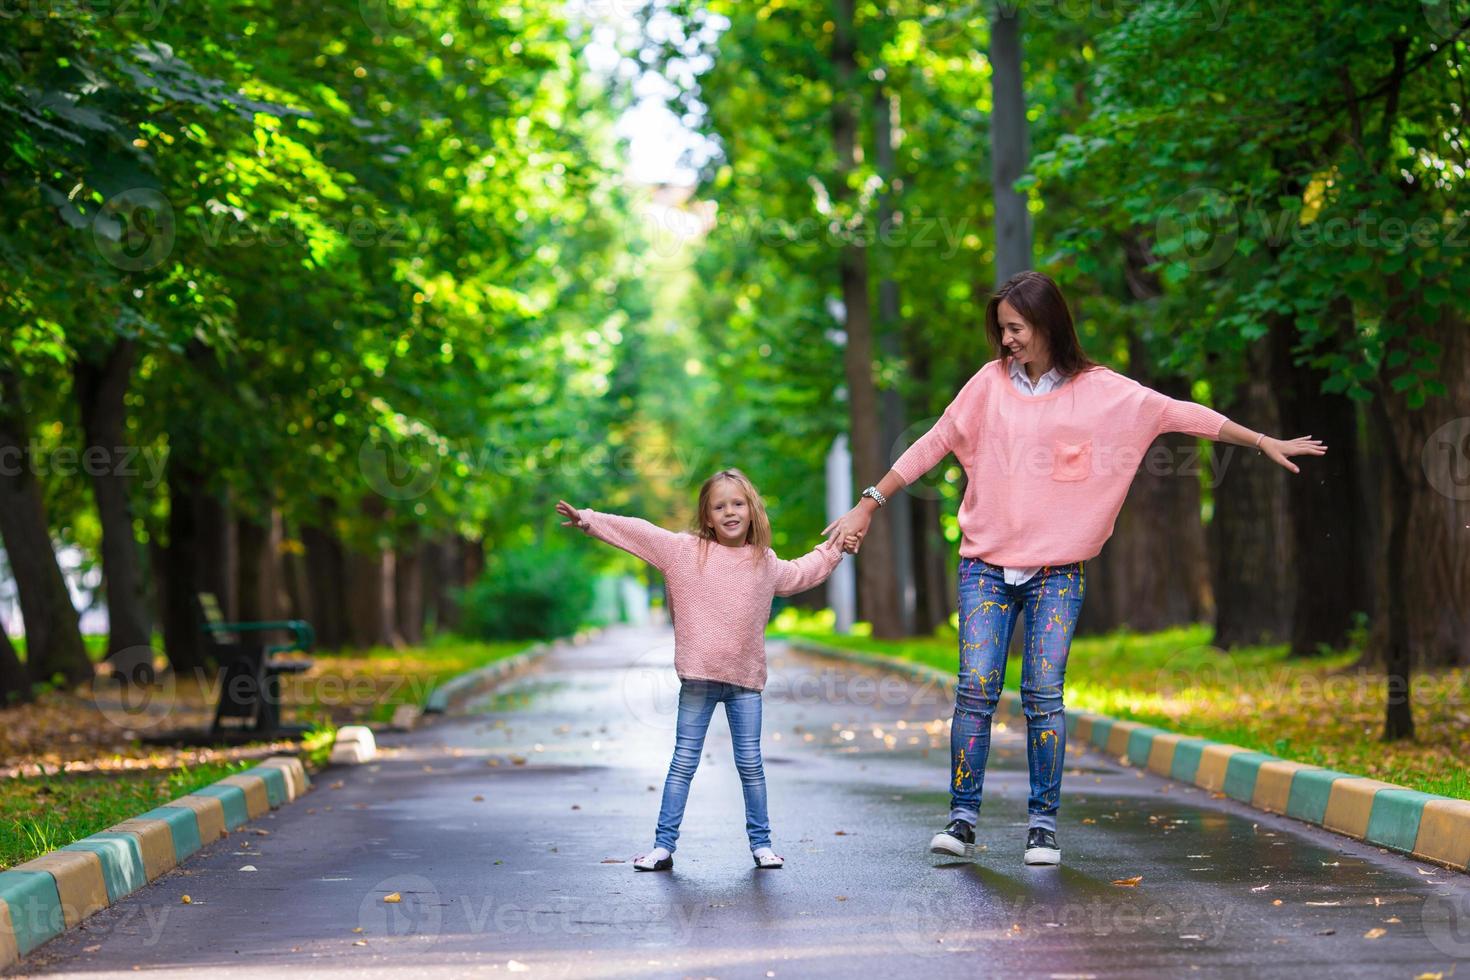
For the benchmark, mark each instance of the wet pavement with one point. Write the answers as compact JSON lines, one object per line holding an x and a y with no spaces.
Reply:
{"x":507,"y":833}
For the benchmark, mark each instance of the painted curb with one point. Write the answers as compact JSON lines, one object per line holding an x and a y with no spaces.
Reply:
{"x":45,"y":896}
{"x":481,"y":679}
{"x":1422,"y":825}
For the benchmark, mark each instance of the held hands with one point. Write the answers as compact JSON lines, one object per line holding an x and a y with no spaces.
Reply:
{"x":1279,"y":449}
{"x":573,"y":517}
{"x":850,"y":528}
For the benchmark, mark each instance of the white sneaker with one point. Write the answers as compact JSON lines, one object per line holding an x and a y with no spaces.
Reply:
{"x":657,"y":859}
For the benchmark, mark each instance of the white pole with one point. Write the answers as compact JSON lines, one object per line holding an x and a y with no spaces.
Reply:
{"x":842,"y":586}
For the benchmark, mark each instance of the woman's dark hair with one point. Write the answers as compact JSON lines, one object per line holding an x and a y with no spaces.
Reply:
{"x":1038,"y":299}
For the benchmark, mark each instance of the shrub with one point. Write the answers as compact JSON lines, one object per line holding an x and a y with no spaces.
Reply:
{"x":529,"y":593}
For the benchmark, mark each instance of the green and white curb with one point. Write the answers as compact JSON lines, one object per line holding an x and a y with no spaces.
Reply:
{"x":1423,"y":825}
{"x":44,"y":897}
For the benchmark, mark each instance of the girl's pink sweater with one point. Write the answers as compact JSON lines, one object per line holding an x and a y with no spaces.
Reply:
{"x":1048,"y":473}
{"x":720,"y":596}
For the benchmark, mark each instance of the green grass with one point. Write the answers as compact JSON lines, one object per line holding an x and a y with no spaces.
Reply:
{"x":41,"y":813}
{"x":1322,"y":710}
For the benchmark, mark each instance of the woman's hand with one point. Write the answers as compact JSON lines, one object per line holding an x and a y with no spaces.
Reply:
{"x":850,"y":527}
{"x":1279,"y":449}
{"x":572,"y":515}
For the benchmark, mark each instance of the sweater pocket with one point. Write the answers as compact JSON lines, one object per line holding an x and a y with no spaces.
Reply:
{"x":1071,"y":461}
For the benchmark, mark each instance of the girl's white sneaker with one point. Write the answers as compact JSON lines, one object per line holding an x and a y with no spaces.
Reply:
{"x":767,"y":859}
{"x":657,"y":859}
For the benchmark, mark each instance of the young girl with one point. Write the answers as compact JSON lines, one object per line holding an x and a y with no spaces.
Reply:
{"x":720,"y":578}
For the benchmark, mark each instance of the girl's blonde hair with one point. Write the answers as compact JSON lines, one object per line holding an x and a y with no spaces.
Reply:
{"x":757,"y":533}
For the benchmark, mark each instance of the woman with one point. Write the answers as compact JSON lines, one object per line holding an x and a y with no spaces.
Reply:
{"x":1050,"y":442}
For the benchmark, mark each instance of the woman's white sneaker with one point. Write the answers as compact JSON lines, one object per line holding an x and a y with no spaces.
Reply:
{"x":1042,"y":847}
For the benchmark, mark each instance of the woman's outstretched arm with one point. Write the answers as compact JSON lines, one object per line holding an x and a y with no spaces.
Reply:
{"x":1276,"y":449}
{"x":855,"y":522}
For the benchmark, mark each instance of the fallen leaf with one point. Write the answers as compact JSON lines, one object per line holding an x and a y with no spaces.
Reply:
{"x":839,"y":833}
{"x":1331,"y":864}
{"x":1261,"y":888}
{"x":357,"y":928}
{"x":395,"y":898}
{"x":478,"y":798}
{"x":247,"y":867}
{"x":1393,"y":920}
{"x":360,"y":942}
{"x":1275,"y":901}
{"x":841,"y":898}
{"x":92,"y":949}
{"x":518,"y":760}
{"x":1128,"y":882}
{"x":1322,"y":904}
{"x":262,"y":833}
{"x":1088,"y":820}
{"x":336,"y":785}
{"x":1375,"y":932}
{"x":1327,"y":932}
{"x":576,"y":806}
{"x":187,"y":900}
{"x":613,"y":861}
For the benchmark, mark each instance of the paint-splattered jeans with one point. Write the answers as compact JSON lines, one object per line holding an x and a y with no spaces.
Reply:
{"x":1051,"y":600}
{"x":697,"y":700}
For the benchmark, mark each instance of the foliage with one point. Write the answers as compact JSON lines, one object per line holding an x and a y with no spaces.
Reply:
{"x":529,"y":593}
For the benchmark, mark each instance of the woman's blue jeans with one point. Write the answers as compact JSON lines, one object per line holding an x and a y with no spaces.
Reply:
{"x":1050,"y":600}
{"x":697,"y":700}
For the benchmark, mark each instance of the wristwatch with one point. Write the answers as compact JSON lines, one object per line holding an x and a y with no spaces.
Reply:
{"x":876,"y":495}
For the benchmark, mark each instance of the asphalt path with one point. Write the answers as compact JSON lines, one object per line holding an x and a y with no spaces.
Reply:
{"x":506,"y":831}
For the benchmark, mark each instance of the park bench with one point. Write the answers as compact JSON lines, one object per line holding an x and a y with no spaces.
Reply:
{"x":250,"y":691}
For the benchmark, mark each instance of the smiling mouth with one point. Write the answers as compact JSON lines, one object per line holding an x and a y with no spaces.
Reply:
{"x":732,"y":523}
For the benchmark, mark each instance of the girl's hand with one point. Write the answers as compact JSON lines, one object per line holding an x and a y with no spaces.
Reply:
{"x":850,"y":527}
{"x":1279,"y":449}
{"x":573,"y":517}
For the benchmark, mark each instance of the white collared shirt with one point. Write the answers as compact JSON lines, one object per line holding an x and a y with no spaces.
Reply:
{"x":1050,"y":381}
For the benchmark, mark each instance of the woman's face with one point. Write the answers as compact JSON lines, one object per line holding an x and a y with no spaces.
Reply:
{"x":1019,"y":338}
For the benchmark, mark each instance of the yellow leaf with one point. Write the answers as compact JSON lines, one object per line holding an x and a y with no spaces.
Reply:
{"x":1375,"y":932}
{"x":395,"y":898}
{"x":187,"y":900}
{"x":357,"y":928}
{"x":1128,"y":882}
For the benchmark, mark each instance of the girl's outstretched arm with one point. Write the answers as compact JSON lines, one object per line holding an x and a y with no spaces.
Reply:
{"x":634,"y":535}
{"x":808,"y":571}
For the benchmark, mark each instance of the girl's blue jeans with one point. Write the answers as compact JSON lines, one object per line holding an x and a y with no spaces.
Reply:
{"x":1050,"y":601}
{"x":697,"y":700}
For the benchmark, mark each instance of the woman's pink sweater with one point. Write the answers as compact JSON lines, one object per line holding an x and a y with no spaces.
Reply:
{"x":1048,"y":473}
{"x":721,"y":596}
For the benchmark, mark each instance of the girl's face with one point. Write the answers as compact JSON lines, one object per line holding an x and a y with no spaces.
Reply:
{"x":729,"y":513}
{"x":1023,"y":342}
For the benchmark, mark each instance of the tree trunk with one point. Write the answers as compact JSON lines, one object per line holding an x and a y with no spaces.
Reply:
{"x":177,"y":565}
{"x":935,"y":599}
{"x":900,"y":521}
{"x":877,"y":585}
{"x":1009,"y":148}
{"x":15,"y":683}
{"x":326,"y":571}
{"x":252,"y":540}
{"x":100,"y":387}
{"x":408,"y":582}
{"x":1255,"y":579}
{"x":1430,"y":469}
{"x":1329,"y":516}
{"x":53,"y":633}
